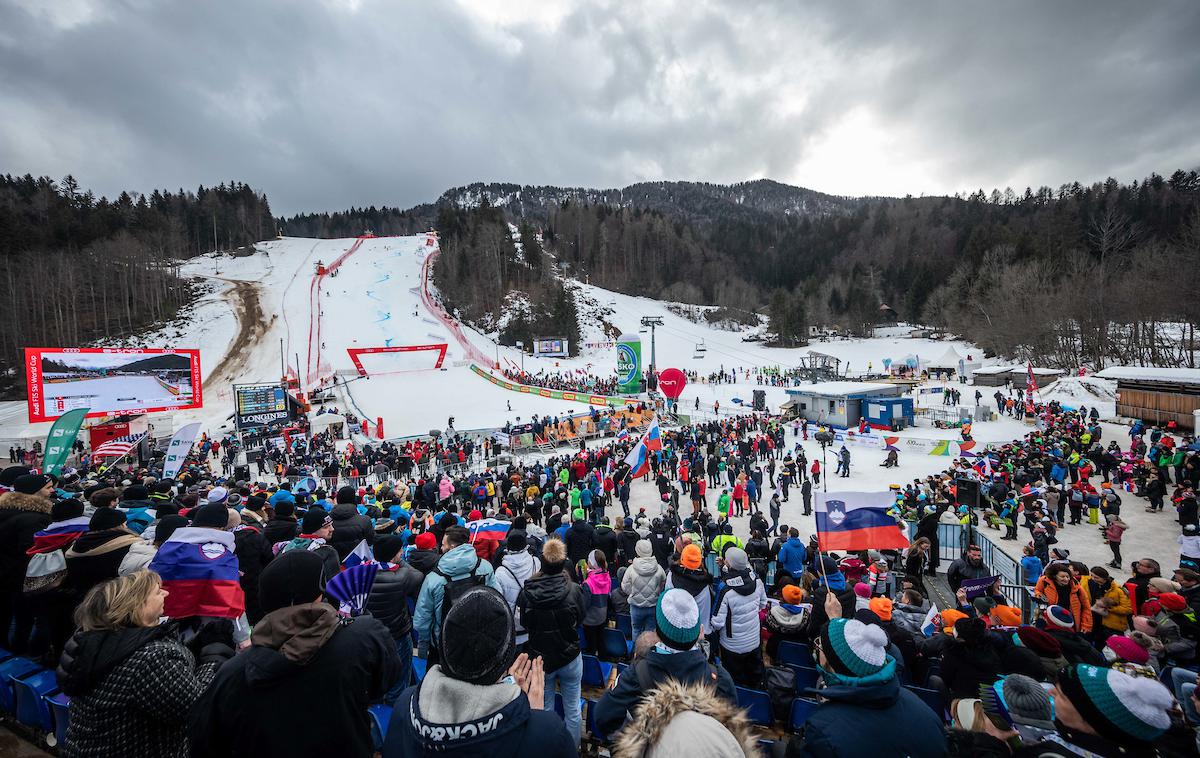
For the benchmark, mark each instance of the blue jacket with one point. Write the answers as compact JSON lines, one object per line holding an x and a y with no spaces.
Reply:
{"x":1032,"y":565}
{"x":793,"y":555}
{"x":458,"y":563}
{"x":856,"y":713}
{"x":138,"y":514}
{"x":282,"y":496}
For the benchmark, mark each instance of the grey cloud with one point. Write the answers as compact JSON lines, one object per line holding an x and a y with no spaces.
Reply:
{"x":323,"y":107}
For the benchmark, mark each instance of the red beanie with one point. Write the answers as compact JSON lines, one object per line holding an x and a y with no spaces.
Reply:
{"x":1172,"y":601}
{"x":426,"y":541}
{"x":475,"y":515}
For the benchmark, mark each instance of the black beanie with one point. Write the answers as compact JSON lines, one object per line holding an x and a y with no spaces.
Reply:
{"x":167,"y":526}
{"x":106,"y":518}
{"x":285,"y":509}
{"x":30,"y":484}
{"x":294,"y":577}
{"x":135,"y":492}
{"x":256,"y":503}
{"x":213,"y":516}
{"x":477,"y":642}
{"x":387,"y":547}
{"x":516,"y":541}
{"x":347,"y":494}
{"x":66,"y":509}
{"x":9,"y":476}
{"x":314,"y":520}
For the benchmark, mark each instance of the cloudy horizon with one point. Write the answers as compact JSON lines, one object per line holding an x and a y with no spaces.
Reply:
{"x":324,"y":105}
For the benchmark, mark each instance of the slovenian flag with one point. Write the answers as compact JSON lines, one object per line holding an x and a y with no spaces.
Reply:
{"x":857,"y":521}
{"x":929,"y":623}
{"x":639,"y":457}
{"x":200,"y":572}
{"x":359,"y":555}
{"x":58,"y":535}
{"x":488,"y":529}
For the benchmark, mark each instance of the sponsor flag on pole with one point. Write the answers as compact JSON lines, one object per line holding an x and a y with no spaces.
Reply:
{"x":857,"y":521}
{"x":60,"y":439}
{"x":200,"y":572}
{"x":178,"y":449}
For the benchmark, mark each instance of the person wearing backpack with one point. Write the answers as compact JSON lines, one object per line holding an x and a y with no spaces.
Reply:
{"x":458,"y":570}
{"x":516,"y":567}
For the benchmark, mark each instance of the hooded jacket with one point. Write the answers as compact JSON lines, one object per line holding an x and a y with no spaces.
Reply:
{"x":689,"y":668}
{"x":793,"y":556}
{"x":643,"y":581}
{"x":281,"y":530}
{"x":516,"y":569}
{"x":456,"y":564}
{"x":871,"y":715}
{"x":97,"y":556}
{"x":423,"y":560}
{"x":697,"y":583}
{"x":349,"y":528}
{"x":909,"y":618}
{"x":551,"y":608}
{"x":302,"y":688}
{"x":138,"y":514}
{"x":651,"y":733}
{"x":580,"y":540}
{"x":445,"y":716}
{"x":736,"y":615}
{"x":21,"y":516}
{"x":131,"y":691}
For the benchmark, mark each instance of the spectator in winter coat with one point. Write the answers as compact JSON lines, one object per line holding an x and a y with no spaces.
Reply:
{"x":627,"y":540}
{"x":595,"y":587}
{"x":1112,"y":598}
{"x":315,"y":531}
{"x":1058,"y":587}
{"x":284,"y":527}
{"x":642,"y":583}
{"x":863,"y":699}
{"x":551,"y":608}
{"x":792,"y":555}
{"x":580,"y":538}
{"x":269,"y":700}
{"x":458,"y":562}
{"x":483,"y":699}
{"x":970,"y":661}
{"x":424,"y":555}
{"x":606,"y":542}
{"x":516,"y":568}
{"x":131,"y":681}
{"x":24,"y":511}
{"x":1076,"y":648}
{"x":253,"y":553}
{"x":909,"y":612}
{"x":689,"y":574}
{"x":138,"y":510}
{"x":349,"y":526}
{"x":395,"y":584}
{"x":102,"y":552}
{"x":969,"y":566}
{"x":675,"y":657}
{"x":736,"y":619}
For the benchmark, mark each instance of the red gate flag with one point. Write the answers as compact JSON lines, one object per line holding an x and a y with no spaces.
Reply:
{"x":857,"y":521}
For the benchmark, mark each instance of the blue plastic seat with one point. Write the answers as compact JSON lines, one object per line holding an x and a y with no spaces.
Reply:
{"x":806,"y":677}
{"x":594,"y":730}
{"x":595,"y":672}
{"x":617,"y":646}
{"x":795,"y":654}
{"x":381,"y":715}
{"x":802,"y":708}
{"x":757,"y":705}
{"x":30,"y":693}
{"x":625,"y":624}
{"x":931,"y":698}
{"x":14,"y":668}
{"x":419,"y":666}
{"x":60,"y":712}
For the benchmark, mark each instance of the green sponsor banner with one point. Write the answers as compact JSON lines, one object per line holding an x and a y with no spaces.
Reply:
{"x":629,"y":363}
{"x":576,"y":397}
{"x":60,"y":439}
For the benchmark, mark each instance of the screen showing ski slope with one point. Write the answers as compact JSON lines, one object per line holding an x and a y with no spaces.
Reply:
{"x":110,"y":380}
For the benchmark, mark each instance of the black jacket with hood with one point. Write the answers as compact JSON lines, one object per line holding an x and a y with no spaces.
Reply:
{"x":551,"y":608}
{"x":21,"y":516}
{"x":349,"y":528}
{"x":302,"y":688}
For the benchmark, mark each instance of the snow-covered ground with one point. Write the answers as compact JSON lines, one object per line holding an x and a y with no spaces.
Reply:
{"x":260,"y":311}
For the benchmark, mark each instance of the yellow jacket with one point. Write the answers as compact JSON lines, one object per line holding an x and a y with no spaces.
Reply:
{"x":1121,"y":609}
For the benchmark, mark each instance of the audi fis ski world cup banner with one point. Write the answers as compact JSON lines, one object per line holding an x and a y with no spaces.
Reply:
{"x":260,"y":405}
{"x":110,"y":381}
{"x":629,"y":363}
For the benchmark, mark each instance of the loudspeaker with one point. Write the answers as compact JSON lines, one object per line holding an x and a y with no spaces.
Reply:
{"x":760,"y":400}
{"x":241,"y":473}
{"x":966,"y":492}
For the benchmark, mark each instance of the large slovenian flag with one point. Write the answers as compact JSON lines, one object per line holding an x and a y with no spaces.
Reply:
{"x":200,"y":572}
{"x":639,"y":457}
{"x":488,"y":529}
{"x":857,"y":521}
{"x":58,"y":535}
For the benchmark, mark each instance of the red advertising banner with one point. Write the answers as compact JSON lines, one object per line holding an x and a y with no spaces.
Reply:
{"x":110,"y":381}
{"x":98,"y":435}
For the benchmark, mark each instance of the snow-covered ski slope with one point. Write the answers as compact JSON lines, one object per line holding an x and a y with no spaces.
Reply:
{"x":374,"y":299}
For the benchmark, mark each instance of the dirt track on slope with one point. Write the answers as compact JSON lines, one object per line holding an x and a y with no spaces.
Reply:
{"x":252,"y":325}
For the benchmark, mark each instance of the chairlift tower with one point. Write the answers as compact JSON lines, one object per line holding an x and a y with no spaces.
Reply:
{"x":652,"y":321}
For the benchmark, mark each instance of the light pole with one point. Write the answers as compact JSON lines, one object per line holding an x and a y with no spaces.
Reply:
{"x":652,"y":321}
{"x":521,"y":347}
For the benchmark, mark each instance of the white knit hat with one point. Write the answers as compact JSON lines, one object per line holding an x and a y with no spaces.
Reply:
{"x":644,"y":549}
{"x":736,"y":559}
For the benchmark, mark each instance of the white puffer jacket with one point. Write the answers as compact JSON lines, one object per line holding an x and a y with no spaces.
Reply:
{"x":515,"y":569}
{"x":643,"y":581}
{"x":736,"y":615}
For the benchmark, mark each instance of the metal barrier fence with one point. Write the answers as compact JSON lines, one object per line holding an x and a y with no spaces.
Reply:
{"x":952,"y":542}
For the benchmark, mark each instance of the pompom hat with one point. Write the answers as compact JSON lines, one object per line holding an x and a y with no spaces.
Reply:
{"x":853,"y":648}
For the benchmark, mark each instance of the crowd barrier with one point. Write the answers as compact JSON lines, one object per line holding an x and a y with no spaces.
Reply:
{"x":922,"y":445}
{"x":609,"y":401}
{"x":952,"y":543}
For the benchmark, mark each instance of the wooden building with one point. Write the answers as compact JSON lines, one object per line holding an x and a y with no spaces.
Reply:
{"x":1157,"y":395}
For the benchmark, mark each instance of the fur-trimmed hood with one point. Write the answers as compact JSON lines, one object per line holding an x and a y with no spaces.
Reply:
{"x":19,"y":501}
{"x":643,"y":735}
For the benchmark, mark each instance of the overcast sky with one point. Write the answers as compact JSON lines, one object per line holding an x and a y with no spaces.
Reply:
{"x":324,"y":105}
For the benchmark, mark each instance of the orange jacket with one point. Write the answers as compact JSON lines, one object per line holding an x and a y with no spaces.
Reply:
{"x":1076,"y":601}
